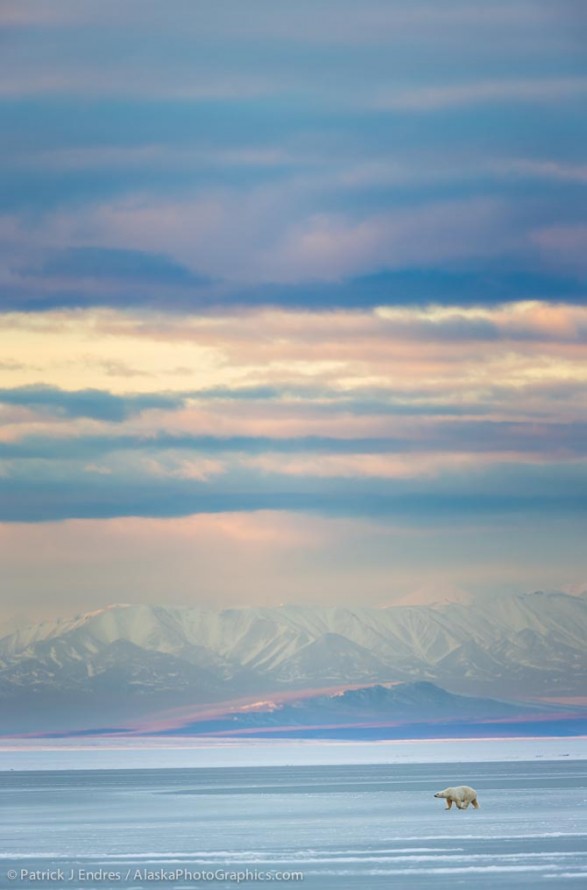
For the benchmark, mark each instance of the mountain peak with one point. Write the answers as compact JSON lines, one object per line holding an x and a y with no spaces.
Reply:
{"x":111,"y":607}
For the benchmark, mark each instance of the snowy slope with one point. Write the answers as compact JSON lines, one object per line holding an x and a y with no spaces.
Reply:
{"x":367,"y":708}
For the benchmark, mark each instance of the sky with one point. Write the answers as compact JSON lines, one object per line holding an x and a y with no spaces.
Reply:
{"x":292,"y":302}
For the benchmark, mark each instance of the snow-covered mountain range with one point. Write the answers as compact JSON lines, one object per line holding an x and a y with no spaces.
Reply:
{"x":128,"y":659}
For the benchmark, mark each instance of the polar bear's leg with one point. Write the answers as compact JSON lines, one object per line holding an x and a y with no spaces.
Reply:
{"x":464,"y":804}
{"x":475,"y":803}
{"x":448,"y":803}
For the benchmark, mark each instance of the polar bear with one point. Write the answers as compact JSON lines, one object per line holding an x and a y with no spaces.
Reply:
{"x":462,"y":795}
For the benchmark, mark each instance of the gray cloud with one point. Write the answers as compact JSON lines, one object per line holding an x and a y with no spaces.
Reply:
{"x":501,"y":492}
{"x":95,"y":403}
{"x":115,"y":264}
{"x":476,"y":436}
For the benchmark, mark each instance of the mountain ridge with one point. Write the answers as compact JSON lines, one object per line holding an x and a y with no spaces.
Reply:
{"x":529,"y":645}
{"x":370,"y":707}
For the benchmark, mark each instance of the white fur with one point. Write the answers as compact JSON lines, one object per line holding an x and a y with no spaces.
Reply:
{"x":461,"y":795}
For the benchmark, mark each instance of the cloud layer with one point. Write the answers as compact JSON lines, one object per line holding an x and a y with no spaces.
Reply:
{"x":309,"y":156}
{"x":419,"y":413}
{"x":292,"y":298}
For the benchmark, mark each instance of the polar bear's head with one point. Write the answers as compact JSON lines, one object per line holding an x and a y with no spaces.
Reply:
{"x":444,"y":794}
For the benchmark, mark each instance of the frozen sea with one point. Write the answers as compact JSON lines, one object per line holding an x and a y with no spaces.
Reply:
{"x":184,"y":815}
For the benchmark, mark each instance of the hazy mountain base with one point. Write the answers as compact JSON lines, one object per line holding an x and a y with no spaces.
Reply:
{"x":414,"y":710}
{"x":406,"y":710}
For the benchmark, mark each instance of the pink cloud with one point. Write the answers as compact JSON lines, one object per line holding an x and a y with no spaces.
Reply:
{"x":397,"y":362}
{"x":352,"y":466}
{"x":267,"y":245}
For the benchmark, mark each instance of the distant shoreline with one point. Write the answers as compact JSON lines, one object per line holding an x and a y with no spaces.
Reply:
{"x":187,"y":753}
